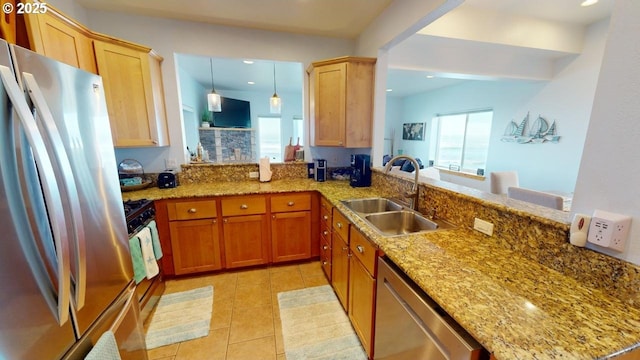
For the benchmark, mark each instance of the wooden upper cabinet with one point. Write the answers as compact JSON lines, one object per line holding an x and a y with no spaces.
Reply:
{"x":341,"y":102}
{"x":134,"y":92}
{"x":8,"y":24}
{"x":58,"y":37}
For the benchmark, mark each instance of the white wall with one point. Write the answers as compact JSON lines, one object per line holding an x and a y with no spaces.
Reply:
{"x":610,"y":168}
{"x":193,"y":98}
{"x":566,"y":99}
{"x":70,"y":8}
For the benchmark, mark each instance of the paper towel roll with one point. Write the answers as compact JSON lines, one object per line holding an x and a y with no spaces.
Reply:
{"x":265,"y":169}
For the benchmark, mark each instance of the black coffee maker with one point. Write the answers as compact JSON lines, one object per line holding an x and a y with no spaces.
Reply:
{"x":360,"y":170}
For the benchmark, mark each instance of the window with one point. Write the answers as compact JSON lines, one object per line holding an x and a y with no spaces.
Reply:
{"x":462,"y":140}
{"x":270,"y":138}
{"x":298,"y":132}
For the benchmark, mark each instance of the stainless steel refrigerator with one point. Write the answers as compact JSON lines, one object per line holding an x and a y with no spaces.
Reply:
{"x":65,"y":268}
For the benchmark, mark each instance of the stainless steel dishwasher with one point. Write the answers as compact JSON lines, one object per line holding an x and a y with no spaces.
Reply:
{"x":410,"y":325}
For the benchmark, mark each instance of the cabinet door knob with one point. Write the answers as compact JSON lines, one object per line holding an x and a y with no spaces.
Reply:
{"x":339,"y":225}
{"x":360,"y":249}
{"x":325,"y":233}
{"x":325,"y":247}
{"x":273,"y":217}
{"x":192,"y":211}
{"x":290,"y":203}
{"x":325,"y":263}
{"x":325,"y":217}
{"x":215,"y":221}
{"x":244,"y":206}
{"x":225,"y":221}
{"x":345,"y":248}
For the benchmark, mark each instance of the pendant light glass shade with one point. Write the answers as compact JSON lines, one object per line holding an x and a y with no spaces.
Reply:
{"x":275,"y":103}
{"x":213,"y":99}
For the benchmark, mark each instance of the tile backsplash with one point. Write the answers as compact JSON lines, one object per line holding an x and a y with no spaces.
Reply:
{"x":227,"y":145}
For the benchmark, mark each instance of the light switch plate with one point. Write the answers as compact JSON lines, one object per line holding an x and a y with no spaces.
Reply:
{"x":483,"y":226}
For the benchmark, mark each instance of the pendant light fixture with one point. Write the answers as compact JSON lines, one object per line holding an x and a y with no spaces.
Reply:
{"x":213,"y":99}
{"x":275,"y":103}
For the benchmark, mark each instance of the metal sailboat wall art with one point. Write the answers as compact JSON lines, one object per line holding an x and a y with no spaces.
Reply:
{"x":539,"y":133}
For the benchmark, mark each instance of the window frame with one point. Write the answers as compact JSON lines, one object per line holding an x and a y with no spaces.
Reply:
{"x":438,"y":121}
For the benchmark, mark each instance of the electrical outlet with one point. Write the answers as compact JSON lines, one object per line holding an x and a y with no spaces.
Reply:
{"x":609,"y":230}
{"x":254,"y":175}
{"x":170,"y":163}
{"x":483,"y":226}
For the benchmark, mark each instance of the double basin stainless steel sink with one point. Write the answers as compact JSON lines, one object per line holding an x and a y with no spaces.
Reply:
{"x":391,"y":218}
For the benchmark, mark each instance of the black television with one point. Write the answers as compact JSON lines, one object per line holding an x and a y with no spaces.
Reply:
{"x":235,"y":114}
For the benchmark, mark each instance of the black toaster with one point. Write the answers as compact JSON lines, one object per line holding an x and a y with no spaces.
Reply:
{"x":166,"y":180}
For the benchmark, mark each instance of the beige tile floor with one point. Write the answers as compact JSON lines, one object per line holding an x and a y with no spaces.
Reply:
{"x":246,"y":320}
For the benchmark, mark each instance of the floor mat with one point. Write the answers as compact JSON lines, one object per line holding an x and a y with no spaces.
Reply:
{"x":181,"y":316}
{"x":315,"y":326}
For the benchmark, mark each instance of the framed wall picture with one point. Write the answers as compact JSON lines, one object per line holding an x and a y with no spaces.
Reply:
{"x":413,"y":131}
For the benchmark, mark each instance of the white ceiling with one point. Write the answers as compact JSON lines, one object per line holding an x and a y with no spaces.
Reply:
{"x":334,"y":18}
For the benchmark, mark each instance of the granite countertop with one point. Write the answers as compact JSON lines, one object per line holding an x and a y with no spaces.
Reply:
{"x":516,"y":308}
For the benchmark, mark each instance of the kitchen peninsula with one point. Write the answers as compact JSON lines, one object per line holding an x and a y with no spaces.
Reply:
{"x":524,"y":293}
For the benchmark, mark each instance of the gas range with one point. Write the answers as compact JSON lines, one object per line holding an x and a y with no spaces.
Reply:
{"x":138,"y":213}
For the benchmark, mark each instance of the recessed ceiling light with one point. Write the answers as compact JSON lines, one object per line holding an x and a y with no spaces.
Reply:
{"x":389,"y":90}
{"x":249,"y":62}
{"x":251,"y":83}
{"x":588,"y":2}
{"x":429,"y":76}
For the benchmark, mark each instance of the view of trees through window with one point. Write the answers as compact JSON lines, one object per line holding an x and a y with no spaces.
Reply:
{"x":463,"y":140}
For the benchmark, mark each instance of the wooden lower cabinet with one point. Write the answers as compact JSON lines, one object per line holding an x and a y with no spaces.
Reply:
{"x":246,"y":240}
{"x":325,"y":257}
{"x":224,"y":232}
{"x":195,"y":245}
{"x":362,"y":293}
{"x":340,"y":269}
{"x":291,"y":236}
{"x":290,"y":227}
{"x":325,"y":236}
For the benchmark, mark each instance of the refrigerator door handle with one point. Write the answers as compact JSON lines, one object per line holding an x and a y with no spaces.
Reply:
{"x":60,"y":305}
{"x":64,"y":175}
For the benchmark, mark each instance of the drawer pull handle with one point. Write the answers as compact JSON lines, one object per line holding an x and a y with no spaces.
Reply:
{"x":325,"y":247}
{"x":325,"y":217}
{"x":192,"y":211}
{"x":325,"y":233}
{"x":290,"y":203}
{"x":215,"y":221}
{"x":360,"y":249}
{"x":339,"y":225}
{"x":273,"y":217}
{"x":325,"y":263}
{"x":244,"y":206}
{"x":225,"y":221}
{"x":345,"y":248}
